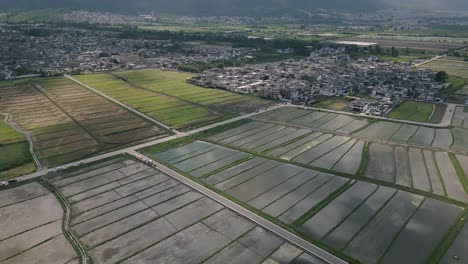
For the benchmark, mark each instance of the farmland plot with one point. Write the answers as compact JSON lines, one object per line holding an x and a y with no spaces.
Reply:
{"x":404,"y":133}
{"x":357,"y":220}
{"x":421,"y":232}
{"x":170,"y":110}
{"x":327,"y":161}
{"x":299,"y":147}
{"x":460,"y":118}
{"x":200,"y":163}
{"x":31,"y":220}
{"x":379,"y":130}
{"x":163,"y":221}
{"x":351,"y":161}
{"x":312,"y":154}
{"x":453,"y":186}
{"x":460,"y":138}
{"x":68,"y":122}
{"x":418,"y":170}
{"x":381,"y":163}
{"x":403,"y":169}
{"x":174,"y":83}
{"x":335,"y":212}
{"x":424,"y":136}
{"x":443,"y":139}
{"x":378,"y":234}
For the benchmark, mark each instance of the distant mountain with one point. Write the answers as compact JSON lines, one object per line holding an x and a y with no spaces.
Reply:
{"x":235,"y":7}
{"x":198,"y":7}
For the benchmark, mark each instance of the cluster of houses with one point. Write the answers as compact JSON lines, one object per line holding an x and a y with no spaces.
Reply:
{"x":329,"y":73}
{"x":40,"y":49}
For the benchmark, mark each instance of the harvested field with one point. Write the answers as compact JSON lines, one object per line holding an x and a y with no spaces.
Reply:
{"x":67,"y":122}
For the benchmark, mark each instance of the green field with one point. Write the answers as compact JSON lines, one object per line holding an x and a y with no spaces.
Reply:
{"x":338,"y":103}
{"x":168,"y":98}
{"x":14,"y":153}
{"x":413,"y":111}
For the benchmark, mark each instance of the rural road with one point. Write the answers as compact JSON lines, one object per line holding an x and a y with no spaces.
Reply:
{"x":286,"y":235}
{"x":424,"y":62}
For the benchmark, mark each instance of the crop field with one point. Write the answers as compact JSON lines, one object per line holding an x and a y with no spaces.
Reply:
{"x":166,"y":97}
{"x":174,"y":84}
{"x":413,"y":111}
{"x":453,"y":68}
{"x":413,"y":167}
{"x":68,"y":122}
{"x":14,"y":152}
{"x":126,"y":212}
{"x":314,"y":119}
{"x":341,"y":213}
{"x":31,"y":223}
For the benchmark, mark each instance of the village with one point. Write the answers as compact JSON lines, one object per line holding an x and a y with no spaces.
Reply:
{"x":379,"y":85}
{"x":40,"y":50}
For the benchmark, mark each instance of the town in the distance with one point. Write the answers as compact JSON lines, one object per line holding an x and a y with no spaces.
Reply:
{"x":234,"y":131}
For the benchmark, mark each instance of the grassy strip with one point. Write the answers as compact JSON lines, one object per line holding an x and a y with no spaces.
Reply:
{"x":447,"y":240}
{"x":364,"y":161}
{"x":460,"y":171}
{"x":68,"y":234}
{"x":314,"y":210}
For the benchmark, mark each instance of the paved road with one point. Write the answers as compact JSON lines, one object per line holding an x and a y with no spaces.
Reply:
{"x":123,"y":105}
{"x":288,"y":236}
{"x":424,"y":62}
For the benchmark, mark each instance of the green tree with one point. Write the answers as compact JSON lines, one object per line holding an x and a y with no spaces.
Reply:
{"x":441,"y":77}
